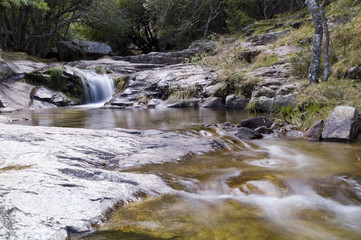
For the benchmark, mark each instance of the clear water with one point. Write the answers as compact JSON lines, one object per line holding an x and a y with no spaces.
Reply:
{"x":268,"y":189}
{"x":91,"y":116}
{"x":264,"y":189}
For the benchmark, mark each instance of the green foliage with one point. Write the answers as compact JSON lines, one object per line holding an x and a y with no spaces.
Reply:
{"x":347,"y":45}
{"x":100,"y":70}
{"x":236,"y":18}
{"x":287,"y":112}
{"x":37,"y":4}
{"x":300,"y":63}
{"x":34,"y":26}
{"x":252,"y":107}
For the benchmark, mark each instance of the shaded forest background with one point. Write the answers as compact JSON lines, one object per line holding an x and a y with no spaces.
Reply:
{"x":35,"y":26}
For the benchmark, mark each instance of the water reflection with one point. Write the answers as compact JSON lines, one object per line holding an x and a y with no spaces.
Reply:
{"x":96,"y":118}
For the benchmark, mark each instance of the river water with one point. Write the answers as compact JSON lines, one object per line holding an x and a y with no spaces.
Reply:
{"x":264,"y":189}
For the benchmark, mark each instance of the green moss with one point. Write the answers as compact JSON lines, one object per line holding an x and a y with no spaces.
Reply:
{"x":100,"y":70}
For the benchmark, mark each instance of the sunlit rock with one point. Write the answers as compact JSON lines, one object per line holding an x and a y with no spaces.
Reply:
{"x":342,"y":125}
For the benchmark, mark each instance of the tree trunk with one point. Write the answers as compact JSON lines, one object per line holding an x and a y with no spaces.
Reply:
{"x":317,"y":41}
{"x":326,"y":72}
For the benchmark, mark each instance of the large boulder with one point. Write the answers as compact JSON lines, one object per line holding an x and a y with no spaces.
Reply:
{"x":342,"y":125}
{"x":70,"y":51}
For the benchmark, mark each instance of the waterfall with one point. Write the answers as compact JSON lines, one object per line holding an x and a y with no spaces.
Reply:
{"x":97,"y":88}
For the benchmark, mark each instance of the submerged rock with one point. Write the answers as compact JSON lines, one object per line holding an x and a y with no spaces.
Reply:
{"x":247,"y":133}
{"x":56,"y":181}
{"x":342,"y":125}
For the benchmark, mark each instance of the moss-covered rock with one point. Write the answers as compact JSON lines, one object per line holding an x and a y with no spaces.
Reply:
{"x":59,"y":80}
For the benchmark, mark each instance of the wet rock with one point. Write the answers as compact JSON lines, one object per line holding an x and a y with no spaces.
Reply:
{"x":354,"y":73}
{"x":266,"y":38}
{"x":247,"y":133}
{"x":315,"y":131}
{"x":55,"y":180}
{"x":70,"y":51}
{"x":236,"y":102}
{"x":1,"y":104}
{"x":213,"y":102}
{"x":256,"y":122}
{"x":342,"y":125}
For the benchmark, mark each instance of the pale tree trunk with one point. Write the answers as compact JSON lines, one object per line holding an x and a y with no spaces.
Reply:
{"x":317,"y":41}
{"x":326,"y":72}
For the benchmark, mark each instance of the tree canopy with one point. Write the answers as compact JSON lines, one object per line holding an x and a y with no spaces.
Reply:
{"x":34,"y":26}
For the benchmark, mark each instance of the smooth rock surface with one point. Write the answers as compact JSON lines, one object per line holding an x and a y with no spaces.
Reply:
{"x":342,"y":125}
{"x":58,"y":180}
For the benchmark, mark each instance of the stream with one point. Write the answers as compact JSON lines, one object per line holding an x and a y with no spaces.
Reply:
{"x":263,"y":189}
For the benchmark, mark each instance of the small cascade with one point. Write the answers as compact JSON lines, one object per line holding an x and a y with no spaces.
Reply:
{"x":97,"y":88}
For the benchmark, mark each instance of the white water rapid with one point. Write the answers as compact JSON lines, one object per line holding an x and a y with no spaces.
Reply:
{"x":97,"y":88}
